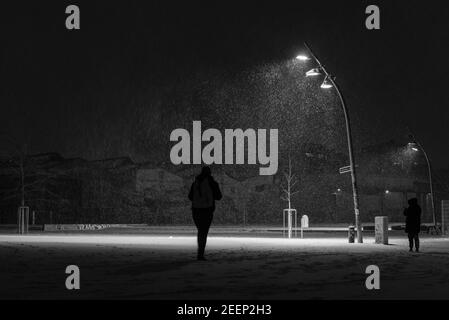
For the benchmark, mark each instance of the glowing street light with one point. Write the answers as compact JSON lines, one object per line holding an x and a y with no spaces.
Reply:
{"x":328,"y":83}
{"x":313,"y":72}
{"x":302,"y":58}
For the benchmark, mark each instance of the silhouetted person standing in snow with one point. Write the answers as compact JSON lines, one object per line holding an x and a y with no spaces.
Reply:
{"x":413,"y":223}
{"x":203,"y":193}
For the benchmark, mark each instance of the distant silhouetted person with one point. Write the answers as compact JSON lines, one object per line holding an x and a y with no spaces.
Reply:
{"x":413,"y":223}
{"x":203,"y":193}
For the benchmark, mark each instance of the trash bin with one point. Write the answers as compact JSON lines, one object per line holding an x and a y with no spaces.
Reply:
{"x":351,"y":234}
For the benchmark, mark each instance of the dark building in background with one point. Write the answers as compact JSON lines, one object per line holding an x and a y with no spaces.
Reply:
{"x":119,"y":190}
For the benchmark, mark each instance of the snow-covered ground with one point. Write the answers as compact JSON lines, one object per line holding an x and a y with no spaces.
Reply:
{"x":164,"y":267}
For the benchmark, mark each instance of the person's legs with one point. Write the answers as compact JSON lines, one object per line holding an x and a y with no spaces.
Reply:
{"x":410,"y":240}
{"x":196,"y":214}
{"x":205,"y":222}
{"x":203,"y":219}
{"x":417,"y":242}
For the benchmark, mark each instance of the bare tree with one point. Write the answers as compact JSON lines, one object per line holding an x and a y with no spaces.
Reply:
{"x":288,"y":187}
{"x":17,"y":163}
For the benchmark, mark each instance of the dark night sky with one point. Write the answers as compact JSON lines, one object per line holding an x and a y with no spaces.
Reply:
{"x":391,"y":78}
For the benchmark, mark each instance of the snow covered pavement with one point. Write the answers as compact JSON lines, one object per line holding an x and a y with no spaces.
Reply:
{"x":164,"y":267}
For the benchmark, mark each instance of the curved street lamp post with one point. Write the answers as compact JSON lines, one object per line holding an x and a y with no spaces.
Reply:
{"x":413,"y":143}
{"x":329,"y":82}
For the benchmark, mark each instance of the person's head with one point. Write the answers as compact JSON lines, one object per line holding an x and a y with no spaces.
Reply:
{"x":205,"y":171}
{"x":413,"y":202}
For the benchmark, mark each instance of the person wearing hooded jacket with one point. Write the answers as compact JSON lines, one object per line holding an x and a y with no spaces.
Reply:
{"x":413,"y":223}
{"x":203,"y":193}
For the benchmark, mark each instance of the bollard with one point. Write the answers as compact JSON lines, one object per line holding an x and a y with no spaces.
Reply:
{"x":381,"y":230}
{"x":351,"y":234}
